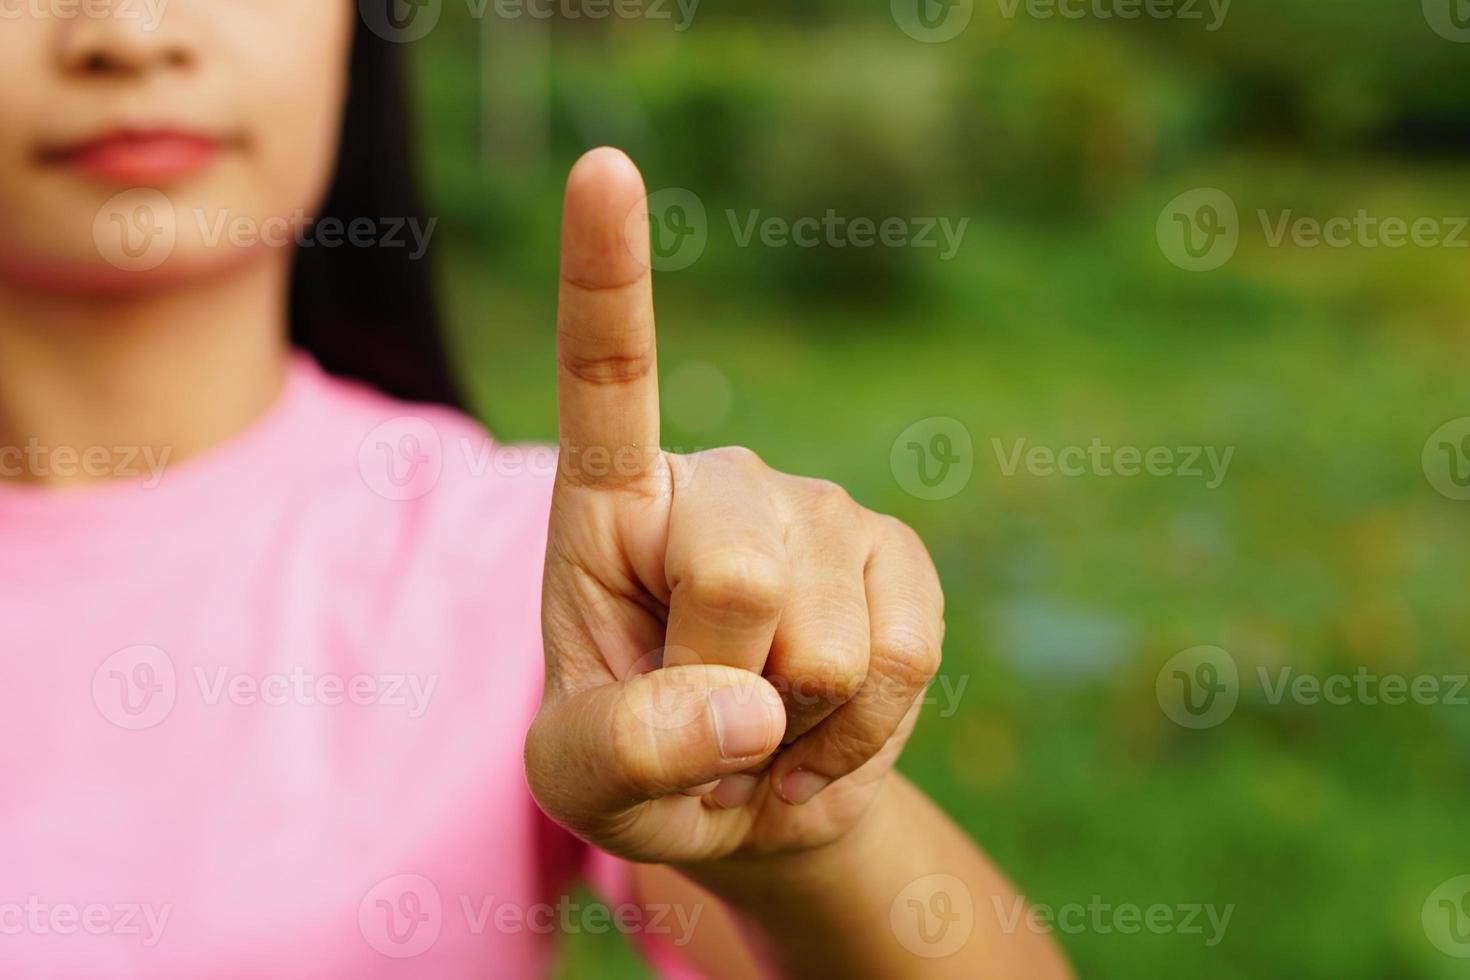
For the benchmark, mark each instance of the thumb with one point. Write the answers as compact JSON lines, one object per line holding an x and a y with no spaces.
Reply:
{"x":593,"y":755}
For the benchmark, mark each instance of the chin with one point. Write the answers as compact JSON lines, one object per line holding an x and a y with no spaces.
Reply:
{"x":93,"y":277}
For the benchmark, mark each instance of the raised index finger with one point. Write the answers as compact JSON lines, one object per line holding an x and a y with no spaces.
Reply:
{"x":607,"y":375}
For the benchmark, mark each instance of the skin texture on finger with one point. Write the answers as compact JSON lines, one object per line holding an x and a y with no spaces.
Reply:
{"x":603,"y":612}
{"x":597,"y":628}
{"x":726,"y":563}
{"x":906,"y":613}
{"x":819,"y":656}
{"x":611,"y":763}
{"x":606,"y":355}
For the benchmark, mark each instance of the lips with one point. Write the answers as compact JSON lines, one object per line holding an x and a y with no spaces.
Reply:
{"x":132,"y":156}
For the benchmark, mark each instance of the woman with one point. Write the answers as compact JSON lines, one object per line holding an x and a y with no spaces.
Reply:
{"x":273,"y":606}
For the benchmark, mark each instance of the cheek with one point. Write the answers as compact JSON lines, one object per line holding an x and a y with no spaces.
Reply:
{"x":297,"y":87}
{"x":24,"y":207}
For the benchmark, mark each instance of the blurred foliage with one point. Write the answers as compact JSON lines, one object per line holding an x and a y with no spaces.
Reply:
{"x":1061,"y":321}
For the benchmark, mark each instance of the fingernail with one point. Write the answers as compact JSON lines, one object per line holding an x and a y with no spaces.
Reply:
{"x":735,"y":791}
{"x":742,"y":721}
{"x":798,"y":786}
{"x":703,"y":789}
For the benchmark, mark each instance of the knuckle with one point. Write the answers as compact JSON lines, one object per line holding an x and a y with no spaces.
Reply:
{"x":748,"y":585}
{"x":903,"y":536}
{"x":738,"y":456}
{"x":907,"y":654}
{"x":843,"y":749}
{"x":619,"y":368}
{"x":855,"y":745}
{"x":828,"y":497}
{"x":846,"y":680}
{"x":825,"y":661}
{"x":826,"y":684}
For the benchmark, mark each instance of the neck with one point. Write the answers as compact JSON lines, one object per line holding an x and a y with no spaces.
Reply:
{"x":106,"y":378}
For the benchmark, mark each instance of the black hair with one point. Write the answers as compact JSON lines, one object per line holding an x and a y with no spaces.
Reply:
{"x":368,"y":313}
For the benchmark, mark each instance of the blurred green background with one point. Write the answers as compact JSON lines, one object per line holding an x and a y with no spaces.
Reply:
{"x":1062,"y":320}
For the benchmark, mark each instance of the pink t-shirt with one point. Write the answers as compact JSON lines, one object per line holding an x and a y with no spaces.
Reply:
{"x":263,"y":716}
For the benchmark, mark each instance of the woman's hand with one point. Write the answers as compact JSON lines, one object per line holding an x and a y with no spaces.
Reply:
{"x":734,"y":656}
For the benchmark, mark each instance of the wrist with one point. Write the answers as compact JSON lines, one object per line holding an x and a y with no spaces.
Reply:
{"x":749,"y":881}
